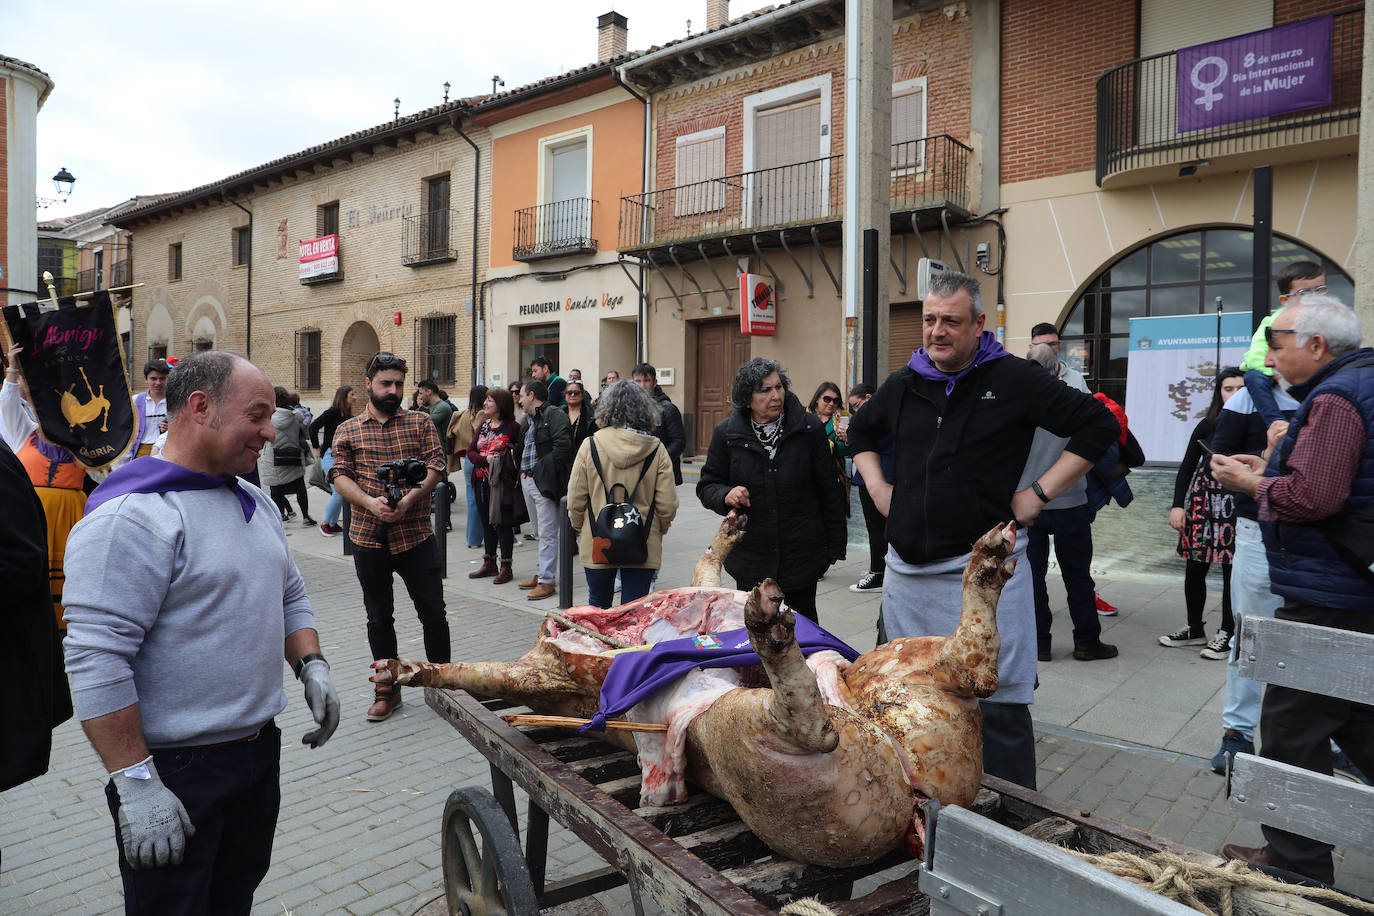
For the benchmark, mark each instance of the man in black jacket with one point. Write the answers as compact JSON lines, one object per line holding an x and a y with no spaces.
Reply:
{"x":669,"y":429}
{"x":545,"y":450}
{"x":964,"y":412}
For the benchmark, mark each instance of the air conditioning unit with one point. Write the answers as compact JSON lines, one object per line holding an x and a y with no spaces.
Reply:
{"x":926,"y":268}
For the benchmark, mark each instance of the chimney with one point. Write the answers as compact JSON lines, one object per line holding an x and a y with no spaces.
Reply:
{"x":610,"y":36}
{"x":717,"y":13}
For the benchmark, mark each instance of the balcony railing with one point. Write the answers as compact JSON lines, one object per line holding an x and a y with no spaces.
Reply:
{"x":1137,"y":105}
{"x":928,"y":173}
{"x":122,"y":272}
{"x":428,"y":238}
{"x":89,"y":279}
{"x":551,"y":230}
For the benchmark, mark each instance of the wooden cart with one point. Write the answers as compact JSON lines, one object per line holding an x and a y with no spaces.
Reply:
{"x":696,"y":857}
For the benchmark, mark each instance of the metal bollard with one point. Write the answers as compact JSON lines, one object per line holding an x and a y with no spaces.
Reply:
{"x":440,"y":506}
{"x":565,"y":556}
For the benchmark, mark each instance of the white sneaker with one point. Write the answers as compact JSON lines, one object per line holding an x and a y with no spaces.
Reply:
{"x":1218,"y":647}
{"x":1184,"y":637}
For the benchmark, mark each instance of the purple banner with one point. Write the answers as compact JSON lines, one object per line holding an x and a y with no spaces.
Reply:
{"x":1256,"y":75}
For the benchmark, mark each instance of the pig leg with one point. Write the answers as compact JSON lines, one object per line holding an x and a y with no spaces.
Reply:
{"x":530,"y":680}
{"x":969,"y":656}
{"x":707,"y":571}
{"x":796,"y":709}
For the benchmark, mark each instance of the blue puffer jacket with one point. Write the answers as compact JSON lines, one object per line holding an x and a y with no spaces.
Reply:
{"x":1303,"y":566}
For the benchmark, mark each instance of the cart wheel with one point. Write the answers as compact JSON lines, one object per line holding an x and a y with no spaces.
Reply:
{"x":489,"y":878}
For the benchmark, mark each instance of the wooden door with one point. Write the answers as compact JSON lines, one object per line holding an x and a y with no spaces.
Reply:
{"x":903,"y":334}
{"x":721,"y":350}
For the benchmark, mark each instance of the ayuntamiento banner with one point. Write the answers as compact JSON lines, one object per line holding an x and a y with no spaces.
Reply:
{"x":75,"y":372}
{"x":1171,"y":369}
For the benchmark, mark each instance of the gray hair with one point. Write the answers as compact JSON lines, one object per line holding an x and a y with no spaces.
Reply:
{"x":749,"y":379}
{"x":628,"y":406}
{"x":210,"y":371}
{"x":1328,"y":316}
{"x":1046,"y":356}
{"x":948,"y":282}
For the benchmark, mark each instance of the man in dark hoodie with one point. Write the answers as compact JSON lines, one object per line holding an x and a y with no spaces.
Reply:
{"x":669,"y":429}
{"x":963,"y":413}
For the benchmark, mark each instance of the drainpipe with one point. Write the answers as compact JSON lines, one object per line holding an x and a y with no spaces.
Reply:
{"x":642,"y":338}
{"x":478,"y":318}
{"x":248,"y":305}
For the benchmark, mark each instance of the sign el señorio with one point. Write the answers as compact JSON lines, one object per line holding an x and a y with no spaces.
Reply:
{"x":1258,"y":75}
{"x":758,"y":306}
{"x":1171,"y":369}
{"x":319,"y":256}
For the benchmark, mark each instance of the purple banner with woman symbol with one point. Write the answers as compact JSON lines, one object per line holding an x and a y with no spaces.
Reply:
{"x":1256,"y":75}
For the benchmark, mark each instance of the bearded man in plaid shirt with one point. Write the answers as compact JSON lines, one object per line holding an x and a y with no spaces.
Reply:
{"x":389,"y":539}
{"x":1319,"y":476}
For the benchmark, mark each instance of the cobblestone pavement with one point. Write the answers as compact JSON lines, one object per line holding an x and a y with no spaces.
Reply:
{"x":1125,"y":738}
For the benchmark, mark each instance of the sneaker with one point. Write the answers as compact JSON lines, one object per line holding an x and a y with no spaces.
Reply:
{"x":1103,"y":608}
{"x":308,"y":522}
{"x":1343,"y":767}
{"x":1232,"y":742}
{"x":331,"y":531}
{"x":1218,"y":647}
{"x":1184,"y":637}
{"x":871,"y":582}
{"x":290,"y":515}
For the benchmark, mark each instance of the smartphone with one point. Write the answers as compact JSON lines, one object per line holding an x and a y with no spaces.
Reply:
{"x":1205,"y":447}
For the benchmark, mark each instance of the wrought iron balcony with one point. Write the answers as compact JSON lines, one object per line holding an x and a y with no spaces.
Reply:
{"x":428,"y":238}
{"x":1137,"y":123}
{"x":929,"y":174}
{"x":89,"y":279}
{"x":563,"y":227}
{"x":122,"y":272}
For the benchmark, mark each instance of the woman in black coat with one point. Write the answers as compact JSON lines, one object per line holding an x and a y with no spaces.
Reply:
{"x":770,"y":459}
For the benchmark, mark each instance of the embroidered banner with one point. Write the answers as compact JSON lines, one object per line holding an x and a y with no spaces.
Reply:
{"x":1258,"y":75}
{"x":75,"y":373}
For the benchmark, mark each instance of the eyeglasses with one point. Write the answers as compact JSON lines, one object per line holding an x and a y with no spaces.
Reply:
{"x":383,"y":361}
{"x":830,"y":399}
{"x":572,"y":390}
{"x":1270,"y":331}
{"x":1318,"y":290}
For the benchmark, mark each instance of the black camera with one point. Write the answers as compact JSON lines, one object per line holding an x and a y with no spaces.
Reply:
{"x":399,"y":476}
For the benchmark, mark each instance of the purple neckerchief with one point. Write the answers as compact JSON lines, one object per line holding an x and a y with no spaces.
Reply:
{"x":988,"y":350}
{"x":158,"y":475}
{"x":51,"y":451}
{"x":634,"y":676}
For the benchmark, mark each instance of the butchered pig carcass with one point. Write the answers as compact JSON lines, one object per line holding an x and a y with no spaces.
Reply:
{"x":826,"y":761}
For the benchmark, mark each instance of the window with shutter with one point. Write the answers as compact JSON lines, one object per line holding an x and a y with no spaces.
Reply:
{"x":909,"y":124}
{"x":700,"y":165}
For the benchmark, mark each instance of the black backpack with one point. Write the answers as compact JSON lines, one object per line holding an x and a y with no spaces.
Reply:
{"x":620,"y":535}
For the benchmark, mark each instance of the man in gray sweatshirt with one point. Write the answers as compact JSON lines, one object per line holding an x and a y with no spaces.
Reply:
{"x":1068,"y":519}
{"x":182,"y":600}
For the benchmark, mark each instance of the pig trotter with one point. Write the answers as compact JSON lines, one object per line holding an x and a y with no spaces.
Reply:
{"x":796,"y":706}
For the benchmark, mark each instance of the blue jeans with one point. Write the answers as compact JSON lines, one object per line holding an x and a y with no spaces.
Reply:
{"x":474,"y":527}
{"x":334,"y":508}
{"x":232,"y":794}
{"x":634,"y":584}
{"x":1250,"y":594}
{"x":1261,"y":388}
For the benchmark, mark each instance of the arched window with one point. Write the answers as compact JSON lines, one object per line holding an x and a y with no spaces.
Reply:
{"x":1177,"y":275}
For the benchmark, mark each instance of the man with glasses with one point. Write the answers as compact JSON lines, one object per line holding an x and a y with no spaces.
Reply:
{"x":669,"y":429}
{"x":391,"y":539}
{"x":1301,"y":278}
{"x":1312,"y":491}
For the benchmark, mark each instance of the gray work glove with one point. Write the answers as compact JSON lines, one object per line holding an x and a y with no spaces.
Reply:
{"x":322,"y":699}
{"x":153,"y":822}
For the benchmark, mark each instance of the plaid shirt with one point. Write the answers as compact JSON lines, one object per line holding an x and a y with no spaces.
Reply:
{"x":363,"y":444}
{"x":1321,"y":467}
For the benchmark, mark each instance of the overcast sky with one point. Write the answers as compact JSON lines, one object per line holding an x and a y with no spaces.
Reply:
{"x":158,"y":96}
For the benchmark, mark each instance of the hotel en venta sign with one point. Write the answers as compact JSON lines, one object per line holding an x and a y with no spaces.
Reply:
{"x":1258,"y":75}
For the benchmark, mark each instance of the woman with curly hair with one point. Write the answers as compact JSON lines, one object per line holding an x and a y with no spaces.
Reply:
{"x":770,"y":460}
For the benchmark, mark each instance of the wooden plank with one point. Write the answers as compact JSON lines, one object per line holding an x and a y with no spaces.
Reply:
{"x":698,"y":812}
{"x":1325,"y":660}
{"x":679,"y":881}
{"x":778,"y":881}
{"x":1026,"y":877}
{"x":1322,"y":807}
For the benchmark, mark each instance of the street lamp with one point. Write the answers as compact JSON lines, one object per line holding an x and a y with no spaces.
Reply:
{"x":63,"y":182}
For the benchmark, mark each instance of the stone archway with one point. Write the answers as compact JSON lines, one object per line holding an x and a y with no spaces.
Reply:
{"x":359,"y":342}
